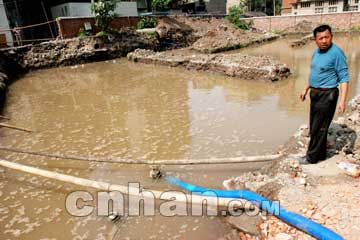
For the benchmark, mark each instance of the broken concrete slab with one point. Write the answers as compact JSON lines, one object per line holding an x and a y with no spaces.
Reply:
{"x":234,"y":65}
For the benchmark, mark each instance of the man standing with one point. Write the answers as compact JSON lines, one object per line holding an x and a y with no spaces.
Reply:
{"x":328,"y":71}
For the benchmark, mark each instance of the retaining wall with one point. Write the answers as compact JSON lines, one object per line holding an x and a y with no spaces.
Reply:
{"x":341,"y":21}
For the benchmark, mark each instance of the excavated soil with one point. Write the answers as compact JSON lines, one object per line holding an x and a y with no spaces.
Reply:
{"x":212,"y":35}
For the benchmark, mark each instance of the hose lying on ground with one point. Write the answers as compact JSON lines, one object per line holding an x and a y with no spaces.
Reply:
{"x":314,"y":229}
{"x":105,"y":186}
{"x":229,"y":160}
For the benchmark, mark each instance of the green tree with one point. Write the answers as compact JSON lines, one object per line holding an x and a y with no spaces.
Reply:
{"x":104,"y":13}
{"x":160,"y":4}
{"x":235,"y":13}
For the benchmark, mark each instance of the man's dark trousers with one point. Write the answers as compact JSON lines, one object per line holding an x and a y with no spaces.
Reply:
{"x":322,"y":110}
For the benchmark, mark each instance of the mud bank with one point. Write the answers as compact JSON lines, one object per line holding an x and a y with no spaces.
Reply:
{"x":234,"y":65}
{"x":10,"y":70}
{"x":302,"y":41}
{"x":82,"y":50}
{"x":322,"y":192}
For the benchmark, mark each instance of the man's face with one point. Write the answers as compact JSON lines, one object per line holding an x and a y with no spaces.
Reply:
{"x":323,"y":39}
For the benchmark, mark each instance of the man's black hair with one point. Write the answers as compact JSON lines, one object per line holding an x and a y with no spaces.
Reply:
{"x":321,"y":28}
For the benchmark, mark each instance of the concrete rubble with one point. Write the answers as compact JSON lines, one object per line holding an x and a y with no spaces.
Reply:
{"x":234,"y":65}
{"x":323,"y":192}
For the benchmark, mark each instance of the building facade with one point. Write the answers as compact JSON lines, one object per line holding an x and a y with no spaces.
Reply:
{"x":305,"y":7}
{"x":82,"y":9}
{"x":286,"y":7}
{"x":353,"y":5}
{"x":317,"y":7}
{"x":5,"y":35}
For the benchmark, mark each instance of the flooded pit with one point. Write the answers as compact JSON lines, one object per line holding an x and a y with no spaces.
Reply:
{"x":138,"y":111}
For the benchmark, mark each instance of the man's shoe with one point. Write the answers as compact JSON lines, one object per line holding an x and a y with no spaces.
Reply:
{"x":302,"y":160}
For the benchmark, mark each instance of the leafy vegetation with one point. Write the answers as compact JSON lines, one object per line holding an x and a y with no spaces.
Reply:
{"x":235,"y":14}
{"x":147,"y":22}
{"x":82,"y":33}
{"x":104,"y":13}
{"x":160,"y":4}
{"x":356,"y":27}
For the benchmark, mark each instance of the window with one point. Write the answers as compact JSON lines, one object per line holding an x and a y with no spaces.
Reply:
{"x":319,"y":4}
{"x":356,"y":1}
{"x":305,"y":4}
{"x":332,"y":9}
{"x":353,"y":8}
{"x":319,"y":10}
{"x":333,"y":2}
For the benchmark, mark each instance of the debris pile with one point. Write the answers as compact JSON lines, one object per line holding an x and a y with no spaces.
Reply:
{"x":81,"y":50}
{"x":214,"y":35}
{"x":303,"y":27}
{"x":174,"y":34}
{"x":234,"y":65}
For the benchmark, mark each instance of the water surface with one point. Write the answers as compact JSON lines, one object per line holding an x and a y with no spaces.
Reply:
{"x":136,"y":111}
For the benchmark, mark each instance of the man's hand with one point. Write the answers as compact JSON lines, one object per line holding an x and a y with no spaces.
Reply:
{"x":344,"y":91}
{"x":303,"y":95}
{"x":342,"y":107}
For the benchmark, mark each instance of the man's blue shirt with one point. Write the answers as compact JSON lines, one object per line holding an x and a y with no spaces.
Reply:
{"x":328,"y":68}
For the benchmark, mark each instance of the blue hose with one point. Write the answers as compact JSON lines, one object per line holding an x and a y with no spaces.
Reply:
{"x":314,"y":229}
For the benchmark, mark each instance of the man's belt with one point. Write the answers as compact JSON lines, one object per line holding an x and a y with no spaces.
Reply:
{"x":321,"y":89}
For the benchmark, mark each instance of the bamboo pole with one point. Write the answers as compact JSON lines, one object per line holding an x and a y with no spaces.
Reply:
{"x":15,"y":127}
{"x":243,"y":159}
{"x":104,"y":186}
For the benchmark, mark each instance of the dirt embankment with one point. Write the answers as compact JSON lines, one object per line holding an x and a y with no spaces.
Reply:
{"x":210,"y":35}
{"x":303,"y":27}
{"x":234,"y":65}
{"x":10,"y":70}
{"x":304,"y":30}
{"x":323,"y":192}
{"x":174,"y":34}
{"x":77,"y":50}
{"x":214,"y":35}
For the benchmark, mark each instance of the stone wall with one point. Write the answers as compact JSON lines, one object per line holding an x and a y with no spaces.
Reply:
{"x":341,"y":21}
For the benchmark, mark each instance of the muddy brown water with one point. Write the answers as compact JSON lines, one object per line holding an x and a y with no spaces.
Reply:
{"x":127,"y":110}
